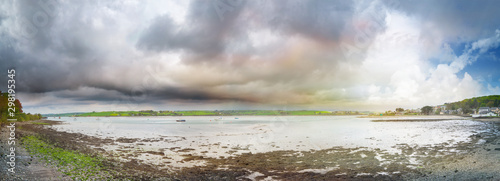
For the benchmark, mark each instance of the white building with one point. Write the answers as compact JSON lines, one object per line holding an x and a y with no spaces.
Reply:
{"x":484,"y":114}
{"x":495,"y":110}
{"x":483,"y":109}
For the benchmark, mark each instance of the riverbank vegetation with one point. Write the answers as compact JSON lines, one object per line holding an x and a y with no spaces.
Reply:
{"x":18,"y":110}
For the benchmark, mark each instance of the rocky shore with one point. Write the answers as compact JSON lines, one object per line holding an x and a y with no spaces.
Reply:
{"x":476,"y":159}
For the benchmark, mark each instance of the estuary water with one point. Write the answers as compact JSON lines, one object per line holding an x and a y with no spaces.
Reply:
{"x":270,"y":133}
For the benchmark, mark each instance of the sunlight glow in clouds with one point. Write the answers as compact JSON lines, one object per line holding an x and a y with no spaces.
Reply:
{"x":358,"y":55}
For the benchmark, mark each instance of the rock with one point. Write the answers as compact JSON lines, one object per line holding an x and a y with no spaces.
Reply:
{"x":498,"y":149}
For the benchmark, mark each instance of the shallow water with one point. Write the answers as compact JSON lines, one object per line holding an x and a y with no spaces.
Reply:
{"x":270,"y":133}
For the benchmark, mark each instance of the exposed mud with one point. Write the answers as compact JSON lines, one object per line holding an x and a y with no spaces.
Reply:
{"x":477,"y":158}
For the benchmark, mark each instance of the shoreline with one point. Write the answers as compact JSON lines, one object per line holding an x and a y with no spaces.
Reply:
{"x":404,"y":116}
{"x":433,"y":118}
{"x":334,"y":163}
{"x":320,"y":115}
{"x":417,"y":118}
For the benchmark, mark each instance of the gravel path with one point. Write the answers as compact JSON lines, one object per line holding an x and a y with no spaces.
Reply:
{"x":27,"y":167}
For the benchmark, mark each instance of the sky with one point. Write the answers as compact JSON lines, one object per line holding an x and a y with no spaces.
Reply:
{"x":80,"y":56}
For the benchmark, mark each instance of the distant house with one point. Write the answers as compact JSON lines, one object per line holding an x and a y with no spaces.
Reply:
{"x":484,"y":112}
{"x":450,"y":111}
{"x":442,"y":107}
{"x":495,"y":110}
{"x":491,"y":114}
{"x":413,"y":111}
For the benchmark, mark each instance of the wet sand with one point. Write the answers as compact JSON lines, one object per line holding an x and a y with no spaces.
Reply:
{"x":476,"y":159}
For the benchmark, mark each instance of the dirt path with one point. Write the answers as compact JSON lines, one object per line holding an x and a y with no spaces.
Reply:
{"x":27,"y":167}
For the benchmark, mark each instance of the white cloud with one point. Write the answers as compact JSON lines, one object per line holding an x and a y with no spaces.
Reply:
{"x":484,"y":45}
{"x":396,"y":61}
{"x":493,"y":90}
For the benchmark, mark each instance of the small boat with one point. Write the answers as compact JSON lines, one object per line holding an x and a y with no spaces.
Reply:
{"x":218,"y":119}
{"x":236,"y":118}
{"x":180,"y":120}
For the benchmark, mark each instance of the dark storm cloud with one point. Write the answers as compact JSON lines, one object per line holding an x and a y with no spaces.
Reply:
{"x":203,"y":33}
{"x":51,"y":45}
{"x":31,"y":48}
{"x":315,"y":19}
{"x":35,"y":22}
{"x":211,"y":31}
{"x":112,"y":94}
{"x":187,"y":94}
{"x":210,"y":25}
{"x":65,"y":49}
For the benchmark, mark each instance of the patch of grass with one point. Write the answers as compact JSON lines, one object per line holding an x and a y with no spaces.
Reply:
{"x":308,"y":112}
{"x":39,"y":123}
{"x":196,"y":113}
{"x":76,"y":165}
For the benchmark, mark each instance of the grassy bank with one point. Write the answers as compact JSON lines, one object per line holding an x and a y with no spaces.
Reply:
{"x":77,"y":165}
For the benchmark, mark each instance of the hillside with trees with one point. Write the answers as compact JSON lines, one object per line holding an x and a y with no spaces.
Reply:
{"x":468,"y":106}
{"x":19,"y":114}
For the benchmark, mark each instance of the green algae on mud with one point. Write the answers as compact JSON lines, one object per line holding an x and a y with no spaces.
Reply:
{"x":40,"y":123}
{"x":77,"y":165}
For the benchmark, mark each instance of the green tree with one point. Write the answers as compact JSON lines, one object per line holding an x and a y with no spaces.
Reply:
{"x":19,"y":114}
{"x":475,"y":104}
{"x":454,"y":107}
{"x":467,"y":110}
{"x":400,"y":109}
{"x":438,"y":111}
{"x":19,"y":106}
{"x":490,"y":104}
{"x":426,"y":110}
